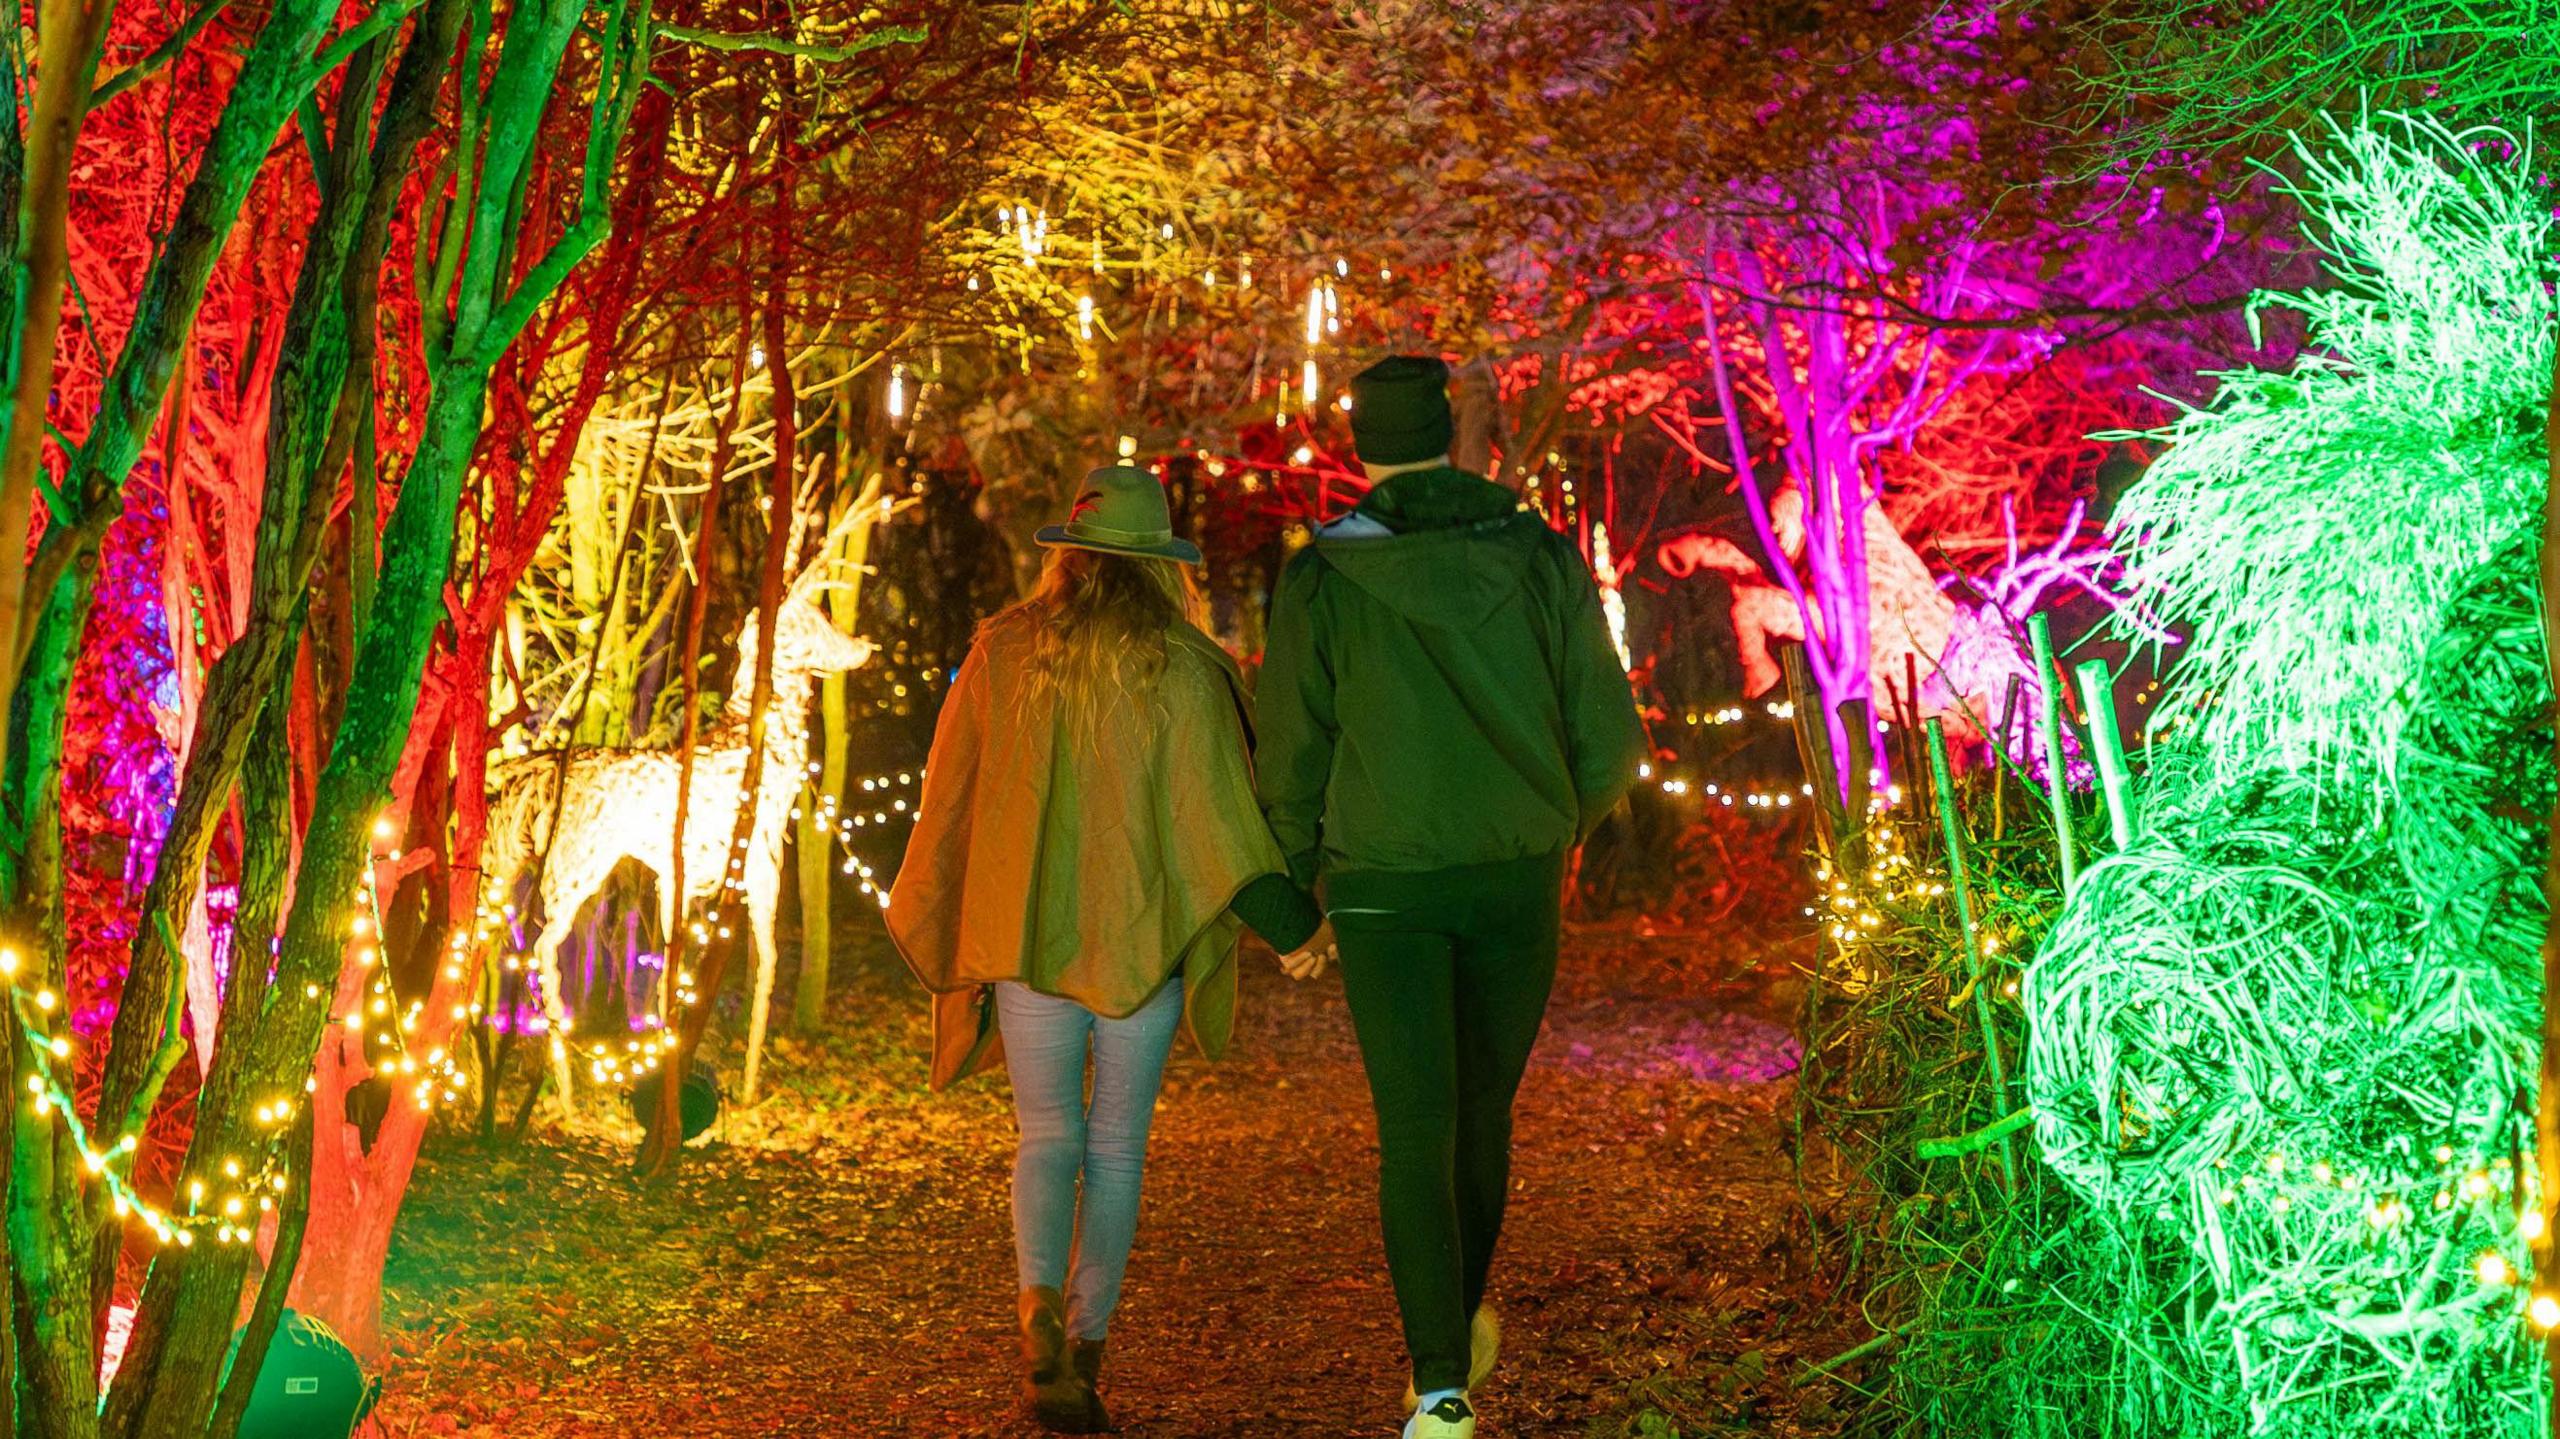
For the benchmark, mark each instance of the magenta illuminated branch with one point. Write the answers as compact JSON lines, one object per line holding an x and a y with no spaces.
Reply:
{"x":2017,"y":589}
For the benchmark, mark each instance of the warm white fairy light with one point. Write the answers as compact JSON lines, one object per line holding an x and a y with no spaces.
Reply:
{"x":885,"y":807}
{"x":109,"y":1164}
{"x":1613,"y":605}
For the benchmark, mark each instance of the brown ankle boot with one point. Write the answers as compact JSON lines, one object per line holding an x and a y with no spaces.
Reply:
{"x":1085,"y":1356}
{"x":1060,"y":1399}
{"x":1043,"y":1315}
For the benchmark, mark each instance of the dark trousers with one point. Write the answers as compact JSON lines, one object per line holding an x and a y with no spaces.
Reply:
{"x":1447,"y":973}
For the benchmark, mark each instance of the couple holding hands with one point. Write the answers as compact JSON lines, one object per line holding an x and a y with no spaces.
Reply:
{"x":1441,"y":719}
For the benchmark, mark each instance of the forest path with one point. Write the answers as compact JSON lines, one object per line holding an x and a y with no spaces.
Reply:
{"x":839,"y":1261}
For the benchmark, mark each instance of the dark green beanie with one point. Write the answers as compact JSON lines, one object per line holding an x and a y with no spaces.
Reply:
{"x":1400,"y":410}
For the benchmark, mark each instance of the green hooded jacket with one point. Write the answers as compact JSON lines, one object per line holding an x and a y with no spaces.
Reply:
{"x":1439,"y":687}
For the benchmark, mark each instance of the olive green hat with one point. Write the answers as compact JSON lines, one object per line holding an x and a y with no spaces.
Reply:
{"x":1400,"y":410}
{"x":1121,"y":511}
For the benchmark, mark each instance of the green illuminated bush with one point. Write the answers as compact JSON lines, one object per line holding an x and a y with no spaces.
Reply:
{"x":2289,"y":1028}
{"x":2280,"y":1052}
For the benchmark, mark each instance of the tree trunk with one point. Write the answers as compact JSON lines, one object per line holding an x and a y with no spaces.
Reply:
{"x":817,"y":841}
{"x":241,"y":1373}
{"x":356,"y":1189}
{"x":49,"y":1226}
{"x":357,"y":1192}
{"x":67,"y":39}
{"x":312,"y":423}
{"x":13,"y":164}
{"x":782,"y":502}
{"x":817,"y":835}
{"x":665,"y":1139}
{"x":333,"y":1187}
{"x":689,"y":673}
{"x":272,"y":79}
{"x":269,"y":1057}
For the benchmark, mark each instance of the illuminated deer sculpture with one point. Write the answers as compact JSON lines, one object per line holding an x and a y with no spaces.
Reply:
{"x":609,"y":805}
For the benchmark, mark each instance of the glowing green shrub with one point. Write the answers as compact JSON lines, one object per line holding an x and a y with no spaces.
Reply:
{"x":2308,"y":528}
{"x":2285,"y":1045}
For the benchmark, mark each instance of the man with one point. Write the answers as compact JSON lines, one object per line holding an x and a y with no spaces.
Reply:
{"x":1443,"y":719}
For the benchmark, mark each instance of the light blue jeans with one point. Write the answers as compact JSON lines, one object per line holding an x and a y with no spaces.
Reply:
{"x":1064,"y":1138}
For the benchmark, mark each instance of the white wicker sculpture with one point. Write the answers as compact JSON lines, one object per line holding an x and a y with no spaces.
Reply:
{"x":619,"y":804}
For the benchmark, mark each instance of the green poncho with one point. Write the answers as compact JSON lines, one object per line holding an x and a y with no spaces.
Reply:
{"x":1088,"y":865}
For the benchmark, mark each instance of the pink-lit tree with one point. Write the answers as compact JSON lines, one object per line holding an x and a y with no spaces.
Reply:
{"x":1878,"y":289}
{"x":1845,"y":378}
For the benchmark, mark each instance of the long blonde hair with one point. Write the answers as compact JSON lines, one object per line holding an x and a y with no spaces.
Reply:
{"x":1098,"y":624}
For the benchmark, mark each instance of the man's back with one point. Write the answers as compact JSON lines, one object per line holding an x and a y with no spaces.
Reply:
{"x":1439,"y":687}
{"x":1442,"y":719}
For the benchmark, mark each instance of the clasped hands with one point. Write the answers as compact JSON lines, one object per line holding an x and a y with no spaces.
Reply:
{"x":1309,"y":959}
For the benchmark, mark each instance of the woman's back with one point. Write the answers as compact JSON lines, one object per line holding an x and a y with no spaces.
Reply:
{"x":1087,"y":817}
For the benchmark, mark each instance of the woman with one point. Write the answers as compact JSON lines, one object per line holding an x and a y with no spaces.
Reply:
{"x":1087,"y":852}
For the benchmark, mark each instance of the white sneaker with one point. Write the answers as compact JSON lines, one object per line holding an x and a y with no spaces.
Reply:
{"x":1484,"y":1346}
{"x":1448,"y":1419}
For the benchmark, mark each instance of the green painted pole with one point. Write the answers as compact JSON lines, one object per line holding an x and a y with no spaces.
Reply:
{"x":2098,"y":694}
{"x":2057,"y":770}
{"x":1954,"y":835}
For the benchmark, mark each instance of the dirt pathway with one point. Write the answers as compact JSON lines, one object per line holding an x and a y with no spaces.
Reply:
{"x":838,"y":1263}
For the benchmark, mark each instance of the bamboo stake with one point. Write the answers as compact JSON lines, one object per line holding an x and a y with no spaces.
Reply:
{"x":2057,"y":771}
{"x":1813,"y":744}
{"x":2098,"y":695}
{"x":1954,"y":836}
{"x":1955,"y":1145}
{"x":1906,"y":720}
{"x":2000,"y":760}
{"x":1857,"y":721}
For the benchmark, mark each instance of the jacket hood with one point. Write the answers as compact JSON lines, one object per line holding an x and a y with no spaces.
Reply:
{"x":1438,"y":546}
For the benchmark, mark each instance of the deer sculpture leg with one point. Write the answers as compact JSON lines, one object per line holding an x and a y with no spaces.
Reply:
{"x":764,"y":901}
{"x":662,"y":995}
{"x":546,"y":976}
{"x":565,"y":886}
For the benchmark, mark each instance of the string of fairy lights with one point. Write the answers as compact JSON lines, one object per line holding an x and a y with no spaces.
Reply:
{"x":227,"y":1209}
{"x":1672,"y":781}
{"x":223,"y":1212}
{"x":887,"y":804}
{"x":378,"y":1018}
